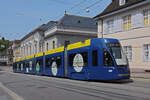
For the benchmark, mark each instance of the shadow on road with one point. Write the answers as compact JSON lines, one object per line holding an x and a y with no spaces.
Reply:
{"x":125,"y":81}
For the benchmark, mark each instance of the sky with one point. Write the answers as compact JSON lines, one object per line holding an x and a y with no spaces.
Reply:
{"x":19,"y":17}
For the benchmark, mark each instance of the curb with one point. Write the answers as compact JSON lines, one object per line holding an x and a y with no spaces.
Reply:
{"x":140,"y":77}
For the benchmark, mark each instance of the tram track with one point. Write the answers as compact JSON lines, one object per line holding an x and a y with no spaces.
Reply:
{"x":93,"y":92}
{"x":104,"y":87}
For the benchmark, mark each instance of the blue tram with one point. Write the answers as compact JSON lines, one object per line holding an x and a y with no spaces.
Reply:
{"x":95,"y":59}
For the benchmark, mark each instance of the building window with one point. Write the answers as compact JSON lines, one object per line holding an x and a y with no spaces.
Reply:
{"x":35,"y":48}
{"x":122,"y":2}
{"x":47,"y":46}
{"x":40,"y":48}
{"x":30,"y":50}
{"x":53,"y":44}
{"x":27,"y":51}
{"x":110,"y":25}
{"x":128,"y":52}
{"x":146,"y":14}
{"x":127,"y":22}
{"x":24,"y":51}
{"x":146,"y":52}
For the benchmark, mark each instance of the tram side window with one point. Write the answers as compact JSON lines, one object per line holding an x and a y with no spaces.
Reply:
{"x":71,"y":56}
{"x":52,"y":60}
{"x":95,"y":58}
{"x":84,"y":56}
{"x":107,"y":60}
{"x":30,"y":64}
{"x":27,"y":64}
{"x":39,"y":61}
{"x":48,"y":62}
{"x":59,"y":61}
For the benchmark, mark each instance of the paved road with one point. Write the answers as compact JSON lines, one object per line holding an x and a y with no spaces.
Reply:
{"x":30,"y":87}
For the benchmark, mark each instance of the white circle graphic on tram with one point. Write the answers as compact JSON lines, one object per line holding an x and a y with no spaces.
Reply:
{"x":78,"y":62}
{"x":54,"y":68}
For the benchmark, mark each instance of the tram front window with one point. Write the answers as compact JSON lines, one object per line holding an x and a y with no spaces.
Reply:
{"x":118,"y":54}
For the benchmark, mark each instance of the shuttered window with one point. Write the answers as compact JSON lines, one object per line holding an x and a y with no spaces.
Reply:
{"x":146,"y":52}
{"x":110,"y":26}
{"x":146,"y":14}
{"x":127,"y":23}
{"x":128,"y":52}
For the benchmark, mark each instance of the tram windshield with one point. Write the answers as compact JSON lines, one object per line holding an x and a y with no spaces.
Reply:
{"x":117,"y":53}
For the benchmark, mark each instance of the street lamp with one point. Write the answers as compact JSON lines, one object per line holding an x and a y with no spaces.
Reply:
{"x":87,"y":10}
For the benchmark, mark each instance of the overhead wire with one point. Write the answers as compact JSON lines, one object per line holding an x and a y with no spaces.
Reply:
{"x":61,"y":2}
{"x":76,"y":5}
{"x":70,"y":9}
{"x":90,"y":6}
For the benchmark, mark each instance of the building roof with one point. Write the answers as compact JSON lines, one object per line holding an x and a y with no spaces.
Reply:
{"x":73,"y":25}
{"x":42,"y":27}
{"x":67,"y":21}
{"x":114,"y":6}
{"x":77,"y":21}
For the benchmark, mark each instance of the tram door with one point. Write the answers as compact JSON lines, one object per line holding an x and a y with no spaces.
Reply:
{"x":65,"y":58}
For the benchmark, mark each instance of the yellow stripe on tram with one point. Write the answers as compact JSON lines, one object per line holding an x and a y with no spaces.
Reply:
{"x":39,"y":54}
{"x":79,"y":45}
{"x":57,"y":50}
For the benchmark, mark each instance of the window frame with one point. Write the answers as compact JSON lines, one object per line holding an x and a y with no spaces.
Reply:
{"x":146,"y":17}
{"x":41,"y":64}
{"x":148,"y":52}
{"x":49,"y":60}
{"x":128,"y":51}
{"x":104,"y":50}
{"x":86,"y":62}
{"x":95,"y":57}
{"x":59,"y":65}
{"x":122,"y":2}
{"x":110,"y":26}
{"x":127,"y":22}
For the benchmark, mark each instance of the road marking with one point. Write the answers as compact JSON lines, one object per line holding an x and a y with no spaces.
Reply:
{"x":11,"y":93}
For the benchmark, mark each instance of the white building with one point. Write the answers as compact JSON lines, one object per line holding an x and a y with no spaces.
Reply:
{"x":53,"y":34}
{"x":70,"y":28}
{"x":32,"y":43}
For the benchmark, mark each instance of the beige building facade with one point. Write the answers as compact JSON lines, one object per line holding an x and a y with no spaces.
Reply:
{"x":130,"y":23}
{"x":16,"y":49}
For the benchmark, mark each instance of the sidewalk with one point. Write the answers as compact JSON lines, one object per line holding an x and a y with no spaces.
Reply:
{"x":6,"y":68}
{"x":145,"y":75}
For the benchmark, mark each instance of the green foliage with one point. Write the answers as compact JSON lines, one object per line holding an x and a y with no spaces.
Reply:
{"x":4,"y":44}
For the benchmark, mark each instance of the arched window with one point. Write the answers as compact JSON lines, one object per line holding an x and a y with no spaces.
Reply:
{"x":53,"y":44}
{"x":47,"y":46}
